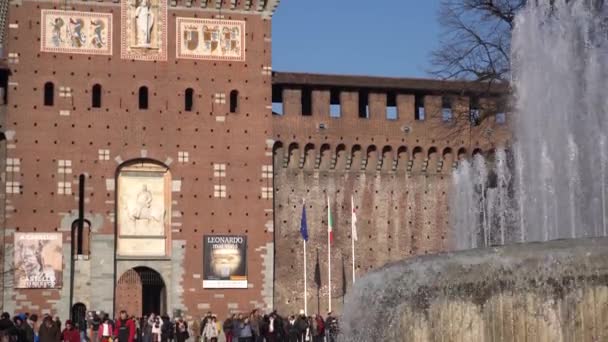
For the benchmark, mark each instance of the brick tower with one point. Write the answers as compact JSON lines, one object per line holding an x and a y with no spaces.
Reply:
{"x":162,"y":108}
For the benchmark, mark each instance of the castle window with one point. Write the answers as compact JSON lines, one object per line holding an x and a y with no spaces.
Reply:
{"x":49,"y":94}
{"x":335,"y":108}
{"x":363,"y":105}
{"x":96,"y":96}
{"x":391,"y":107}
{"x":419,"y":108}
{"x":501,"y":118}
{"x":306,"y":101}
{"x":277,"y":102}
{"x":143,"y":98}
{"x":188,"y":99}
{"x":446,"y":109}
{"x":474,"y":113}
{"x":234,"y":101}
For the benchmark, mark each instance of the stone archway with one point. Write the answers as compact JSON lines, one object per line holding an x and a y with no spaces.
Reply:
{"x":141,"y":291}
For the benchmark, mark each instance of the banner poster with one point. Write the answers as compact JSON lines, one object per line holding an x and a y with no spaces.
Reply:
{"x":38,"y":260}
{"x":224,"y":262}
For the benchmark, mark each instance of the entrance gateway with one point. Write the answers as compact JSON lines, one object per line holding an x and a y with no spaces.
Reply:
{"x":141,"y":291}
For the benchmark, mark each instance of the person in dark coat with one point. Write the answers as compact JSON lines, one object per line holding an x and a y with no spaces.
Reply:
{"x":332,"y":328}
{"x":28,"y":328}
{"x":5,"y":322}
{"x":228,"y":327}
{"x":181,"y":330}
{"x":292,"y":329}
{"x":301,"y":326}
{"x":19,"y":331}
{"x":49,"y":331}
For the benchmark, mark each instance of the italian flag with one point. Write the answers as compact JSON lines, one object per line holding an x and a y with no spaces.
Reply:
{"x":330,"y":223}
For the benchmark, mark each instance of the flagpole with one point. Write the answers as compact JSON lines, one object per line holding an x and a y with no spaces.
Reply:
{"x":305,"y":286}
{"x":329,"y":253}
{"x":352,"y":233}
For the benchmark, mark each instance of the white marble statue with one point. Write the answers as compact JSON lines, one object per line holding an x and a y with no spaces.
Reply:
{"x":144,"y":21}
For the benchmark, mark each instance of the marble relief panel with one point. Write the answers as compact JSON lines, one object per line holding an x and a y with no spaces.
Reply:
{"x":210,"y":39}
{"x":76,"y":32}
{"x":144,"y":30}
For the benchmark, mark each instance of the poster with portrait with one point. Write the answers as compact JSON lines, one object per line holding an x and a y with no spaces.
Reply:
{"x":210,"y":39}
{"x":224,"y":262}
{"x":38,"y":260}
{"x":76,"y":32}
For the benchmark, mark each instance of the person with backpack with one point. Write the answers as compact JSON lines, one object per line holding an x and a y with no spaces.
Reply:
{"x":181,"y":330}
{"x":331,"y":326}
{"x":318,"y":329}
{"x":166,"y":334}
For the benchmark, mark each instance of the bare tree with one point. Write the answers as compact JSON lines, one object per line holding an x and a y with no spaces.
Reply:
{"x":476,"y":39}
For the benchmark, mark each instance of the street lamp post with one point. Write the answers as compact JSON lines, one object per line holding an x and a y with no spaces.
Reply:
{"x":79,"y":226}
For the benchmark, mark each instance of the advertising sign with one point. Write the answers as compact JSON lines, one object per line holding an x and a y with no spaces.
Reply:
{"x":224,"y":262}
{"x":38,"y":260}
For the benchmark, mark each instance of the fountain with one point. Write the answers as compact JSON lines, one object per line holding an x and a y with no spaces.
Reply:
{"x":543,"y":200}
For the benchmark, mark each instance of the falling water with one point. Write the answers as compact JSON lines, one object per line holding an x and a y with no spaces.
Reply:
{"x":560,"y":69}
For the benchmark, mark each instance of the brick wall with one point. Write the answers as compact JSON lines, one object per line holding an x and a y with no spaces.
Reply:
{"x":399,"y":179}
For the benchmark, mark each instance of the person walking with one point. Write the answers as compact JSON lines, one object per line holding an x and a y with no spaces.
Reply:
{"x":204,"y":322}
{"x":49,"y":331}
{"x":105,"y":330}
{"x":94,"y":322}
{"x":318,"y":329}
{"x":211,"y":331}
{"x":157,"y":325}
{"x":237,"y":324}
{"x":18,"y":332}
{"x":28,"y":326}
{"x":181,"y":330}
{"x":196,"y":330}
{"x":70,"y":333}
{"x":124,"y":329}
{"x":245,"y":333}
{"x":228,"y":327}
{"x":292,"y":329}
{"x":331,"y":325}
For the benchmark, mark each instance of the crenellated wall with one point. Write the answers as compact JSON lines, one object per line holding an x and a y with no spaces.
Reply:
{"x":397,"y":170}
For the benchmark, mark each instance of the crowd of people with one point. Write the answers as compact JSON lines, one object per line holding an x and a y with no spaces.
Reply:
{"x":99,"y":327}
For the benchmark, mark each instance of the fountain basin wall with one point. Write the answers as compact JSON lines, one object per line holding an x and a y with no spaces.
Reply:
{"x":551,"y":291}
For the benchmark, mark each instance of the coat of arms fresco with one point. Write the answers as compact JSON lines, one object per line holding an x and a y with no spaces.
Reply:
{"x":210,"y":39}
{"x":76,"y":32}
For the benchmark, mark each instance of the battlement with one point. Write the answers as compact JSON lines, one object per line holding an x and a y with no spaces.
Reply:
{"x":360,"y":123}
{"x":263,"y":7}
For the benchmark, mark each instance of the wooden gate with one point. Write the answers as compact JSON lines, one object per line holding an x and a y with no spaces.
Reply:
{"x":129,"y":293}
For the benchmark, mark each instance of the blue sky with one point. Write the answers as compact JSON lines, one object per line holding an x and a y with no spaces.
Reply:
{"x":367,"y":37}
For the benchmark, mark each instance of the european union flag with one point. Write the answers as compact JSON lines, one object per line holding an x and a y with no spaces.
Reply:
{"x":303,"y":225}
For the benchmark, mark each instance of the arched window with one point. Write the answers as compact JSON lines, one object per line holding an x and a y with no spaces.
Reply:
{"x":49,"y":94}
{"x":188,"y":99}
{"x":96,"y":96}
{"x":143,"y":97}
{"x":234,"y":101}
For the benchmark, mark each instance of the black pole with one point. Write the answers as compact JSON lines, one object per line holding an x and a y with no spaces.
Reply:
{"x":80,"y":212}
{"x":72,"y":230}
{"x":79,"y":224}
